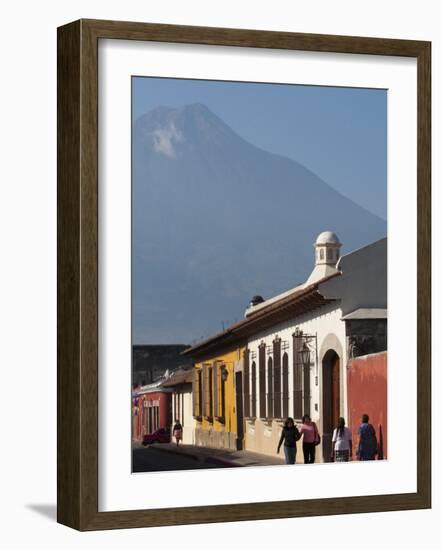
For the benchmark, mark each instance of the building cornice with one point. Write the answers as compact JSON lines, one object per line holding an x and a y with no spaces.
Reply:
{"x":307,"y":298}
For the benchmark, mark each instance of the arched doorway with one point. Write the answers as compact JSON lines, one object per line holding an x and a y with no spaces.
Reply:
{"x":331,"y":399}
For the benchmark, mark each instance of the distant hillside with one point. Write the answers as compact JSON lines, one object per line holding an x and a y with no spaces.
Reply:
{"x":217,"y":220}
{"x":150,"y":362}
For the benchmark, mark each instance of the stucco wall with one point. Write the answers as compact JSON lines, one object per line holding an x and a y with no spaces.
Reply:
{"x":263,"y":437}
{"x":163,"y":400}
{"x":184,"y":412}
{"x":219,"y":439}
{"x":326,"y":324}
{"x":363,"y":282}
{"x":367,"y":394}
{"x":213,"y":433}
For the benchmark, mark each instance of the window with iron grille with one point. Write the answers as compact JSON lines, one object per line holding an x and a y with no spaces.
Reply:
{"x":285,"y":385}
{"x":277,"y":378}
{"x":306,"y":384}
{"x":270,"y":388}
{"x":262,"y":381}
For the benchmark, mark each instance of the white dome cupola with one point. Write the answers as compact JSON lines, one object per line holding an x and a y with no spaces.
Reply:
{"x":327,"y":253}
{"x":327,"y":247}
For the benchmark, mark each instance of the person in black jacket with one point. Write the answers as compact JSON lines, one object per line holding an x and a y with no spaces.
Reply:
{"x":289,"y":435}
{"x":177,"y":432}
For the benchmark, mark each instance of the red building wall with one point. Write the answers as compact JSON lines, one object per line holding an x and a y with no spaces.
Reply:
{"x":367,"y":394}
{"x":160,"y":399}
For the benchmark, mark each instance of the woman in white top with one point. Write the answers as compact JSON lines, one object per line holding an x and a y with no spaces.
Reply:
{"x":341,"y":442}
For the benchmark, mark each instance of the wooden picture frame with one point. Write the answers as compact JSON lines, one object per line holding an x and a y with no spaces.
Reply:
{"x":77,"y":462}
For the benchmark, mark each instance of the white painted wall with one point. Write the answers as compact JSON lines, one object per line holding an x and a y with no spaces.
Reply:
{"x":323,"y":322}
{"x":182,"y":409}
{"x":363,"y":282}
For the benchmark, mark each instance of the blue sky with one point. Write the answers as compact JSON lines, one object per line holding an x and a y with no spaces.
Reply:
{"x":338,"y":133}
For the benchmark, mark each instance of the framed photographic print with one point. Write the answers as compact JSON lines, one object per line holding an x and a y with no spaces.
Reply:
{"x":243,"y":274}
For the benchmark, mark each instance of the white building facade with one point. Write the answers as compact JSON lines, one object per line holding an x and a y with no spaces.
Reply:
{"x":180,"y":383}
{"x":275,"y":355}
{"x":298,"y":364}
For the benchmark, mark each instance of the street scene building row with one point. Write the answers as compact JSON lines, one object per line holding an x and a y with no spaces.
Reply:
{"x":319,"y":349}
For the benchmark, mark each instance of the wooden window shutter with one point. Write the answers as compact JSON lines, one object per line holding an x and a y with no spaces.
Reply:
{"x":210,"y":391}
{"x":200,"y":393}
{"x":262,"y":381}
{"x":246,"y":384}
{"x":270,"y":388}
{"x":196,"y":394}
{"x":277,"y":378}
{"x":216,"y":371}
{"x":220,"y":385}
{"x":285,"y":385}
{"x":222,"y":397}
{"x":204,"y":390}
{"x":208,"y":411}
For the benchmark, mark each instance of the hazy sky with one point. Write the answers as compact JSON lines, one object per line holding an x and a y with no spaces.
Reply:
{"x":338,"y":133}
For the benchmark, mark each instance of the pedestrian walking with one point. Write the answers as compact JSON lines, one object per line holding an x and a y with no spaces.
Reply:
{"x":177,"y":432}
{"x":310,"y":440}
{"x":289,"y":435}
{"x":368,"y":444}
{"x":341,"y":442}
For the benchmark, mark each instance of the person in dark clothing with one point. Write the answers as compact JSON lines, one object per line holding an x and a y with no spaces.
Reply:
{"x":289,"y":435}
{"x":368,"y":445}
{"x":177,"y":432}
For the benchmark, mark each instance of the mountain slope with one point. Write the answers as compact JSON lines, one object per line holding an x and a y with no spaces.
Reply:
{"x":217,"y":220}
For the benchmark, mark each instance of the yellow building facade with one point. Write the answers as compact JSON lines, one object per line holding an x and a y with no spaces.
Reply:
{"x":217,"y":398}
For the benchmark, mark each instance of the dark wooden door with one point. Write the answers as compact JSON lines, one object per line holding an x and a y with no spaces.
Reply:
{"x":239,"y":412}
{"x":330,"y":400}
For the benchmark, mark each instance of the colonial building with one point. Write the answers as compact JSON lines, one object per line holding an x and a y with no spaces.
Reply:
{"x":181,"y":384}
{"x":299,"y":345}
{"x":217,"y":392}
{"x":301,"y":359}
{"x":151,"y":408}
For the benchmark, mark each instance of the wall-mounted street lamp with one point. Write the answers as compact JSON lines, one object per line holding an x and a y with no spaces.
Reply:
{"x":309,"y":351}
{"x":305,"y":355}
{"x":224,"y":374}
